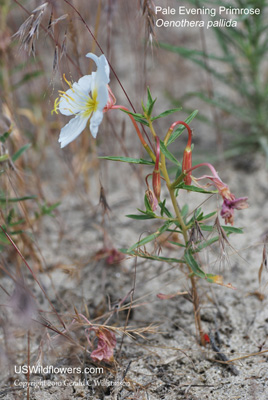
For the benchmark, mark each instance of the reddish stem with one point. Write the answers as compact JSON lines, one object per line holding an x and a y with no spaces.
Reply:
{"x":134,"y":123}
{"x":186,"y":126}
{"x":210,"y":166}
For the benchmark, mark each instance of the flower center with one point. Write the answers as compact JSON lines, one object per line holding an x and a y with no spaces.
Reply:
{"x":91,"y":104}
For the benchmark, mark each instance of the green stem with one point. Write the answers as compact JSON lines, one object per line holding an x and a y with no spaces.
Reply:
{"x":173,"y":197}
{"x":151,"y":127}
{"x":177,"y":181}
{"x":195,"y":297}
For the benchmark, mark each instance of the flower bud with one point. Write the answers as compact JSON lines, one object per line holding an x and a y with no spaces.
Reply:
{"x":187,"y":164}
{"x":151,"y":199}
{"x":156,"y":180}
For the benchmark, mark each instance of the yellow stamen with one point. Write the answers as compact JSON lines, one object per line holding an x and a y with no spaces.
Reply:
{"x":91,"y":104}
{"x":56,"y":106}
{"x":66,"y":96}
{"x":68,"y":82}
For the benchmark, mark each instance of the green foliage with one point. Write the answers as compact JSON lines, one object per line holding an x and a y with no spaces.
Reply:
{"x":178,"y":131}
{"x":20,"y":152}
{"x":193,"y":226}
{"x":151,"y":237}
{"x":5,"y":136}
{"x":240,"y":67}
{"x":10,"y":206}
{"x":191,"y":188}
{"x":46,"y":210}
{"x":128,"y":160}
{"x":168,"y":154}
{"x":147,"y":111}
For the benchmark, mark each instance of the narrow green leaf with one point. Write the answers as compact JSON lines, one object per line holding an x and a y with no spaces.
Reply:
{"x":150,"y":103}
{"x":128,"y":160}
{"x":177,"y":132}
{"x":205,"y":244}
{"x":151,"y":237}
{"x":168,"y":154}
{"x":184,"y":210}
{"x":150,"y":109}
{"x":150,"y":99}
{"x":20,"y":152}
{"x":16,"y":199}
{"x":191,"y":188}
{"x":176,"y":243}
{"x":151,"y":256}
{"x":166,"y":113}
{"x":136,"y":116}
{"x":162,"y":207}
{"x":47,"y":210}
{"x":193,"y":264}
{"x":140,"y":217}
{"x":3,"y":238}
{"x":5,"y":136}
{"x":207,"y":216}
{"x":10,"y":216}
{"x":147,"y":205}
{"x":164,"y":210}
{"x":174,"y":230}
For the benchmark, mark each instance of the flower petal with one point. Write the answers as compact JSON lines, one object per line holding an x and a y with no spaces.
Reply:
{"x":71,"y":102}
{"x":93,"y":57}
{"x":103,"y":68}
{"x":95,"y":122}
{"x":84,"y":84}
{"x":103,"y":64}
{"x":73,"y":129}
{"x":103,"y":96}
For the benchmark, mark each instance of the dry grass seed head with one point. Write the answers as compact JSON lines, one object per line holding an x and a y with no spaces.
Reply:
{"x":148,"y":10}
{"x":29,"y":30}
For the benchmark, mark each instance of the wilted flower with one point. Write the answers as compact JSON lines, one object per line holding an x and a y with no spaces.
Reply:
{"x":86,"y":100}
{"x":228,"y":207}
{"x":106,"y":345}
{"x":230,"y":203}
{"x":151,"y":199}
{"x":111,"y":255}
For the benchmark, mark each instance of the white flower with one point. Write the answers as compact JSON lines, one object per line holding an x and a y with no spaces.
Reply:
{"x":86,"y":100}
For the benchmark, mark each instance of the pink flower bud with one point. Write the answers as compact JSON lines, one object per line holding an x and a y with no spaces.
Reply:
{"x":151,"y":199}
{"x":157,"y":184}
